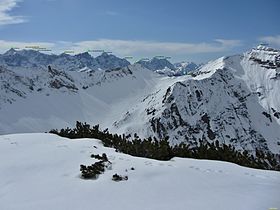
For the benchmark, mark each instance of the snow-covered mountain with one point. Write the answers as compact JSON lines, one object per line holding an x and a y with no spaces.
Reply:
{"x":164,"y":67}
{"x":232,"y":99}
{"x":156,"y":64}
{"x":182,"y":68}
{"x":109,"y":61}
{"x":66,"y":62}
{"x":41,"y":171}
{"x":38,"y":99}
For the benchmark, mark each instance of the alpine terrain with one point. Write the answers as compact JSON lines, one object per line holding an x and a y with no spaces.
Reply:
{"x":232,"y":99}
{"x":41,"y":171}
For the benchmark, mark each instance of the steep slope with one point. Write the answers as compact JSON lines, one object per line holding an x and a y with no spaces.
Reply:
{"x":41,"y":99}
{"x":41,"y":171}
{"x":18,"y":84}
{"x":232,"y":99}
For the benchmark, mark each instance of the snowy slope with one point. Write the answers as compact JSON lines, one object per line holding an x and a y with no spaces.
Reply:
{"x":54,"y":101}
{"x":41,"y":171}
{"x":232,"y":99}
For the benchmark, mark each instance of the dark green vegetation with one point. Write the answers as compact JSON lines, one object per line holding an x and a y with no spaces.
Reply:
{"x":161,"y":150}
{"x":92,"y":171}
{"x":118,"y":178}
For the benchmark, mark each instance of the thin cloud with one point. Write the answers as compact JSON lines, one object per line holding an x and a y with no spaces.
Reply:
{"x":272,"y":40}
{"x":229,"y":42}
{"x":152,"y":47}
{"x":5,"y":45}
{"x":5,"y":18}
{"x":135,"y":48}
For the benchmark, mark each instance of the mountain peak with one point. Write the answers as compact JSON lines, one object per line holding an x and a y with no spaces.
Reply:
{"x":105,"y":54}
{"x":184,"y":67}
{"x":157,"y":64}
{"x":11,"y":51}
{"x":265,"y":47}
{"x":83,"y":55}
{"x":110,"y":61}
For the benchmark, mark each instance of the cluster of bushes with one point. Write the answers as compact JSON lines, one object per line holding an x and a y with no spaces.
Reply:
{"x":161,"y":150}
{"x":118,"y":178}
{"x":92,"y":171}
{"x":102,"y":158}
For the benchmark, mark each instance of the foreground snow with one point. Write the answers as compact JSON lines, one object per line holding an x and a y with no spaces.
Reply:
{"x":41,"y":171}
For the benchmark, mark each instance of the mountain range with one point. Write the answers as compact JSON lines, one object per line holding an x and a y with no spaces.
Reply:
{"x":86,"y":62}
{"x":79,"y":62}
{"x":232,"y":99}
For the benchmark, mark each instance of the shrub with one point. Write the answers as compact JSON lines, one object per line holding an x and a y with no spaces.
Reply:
{"x":92,"y":171}
{"x":98,"y":157}
{"x":118,"y":178}
{"x":161,"y":149}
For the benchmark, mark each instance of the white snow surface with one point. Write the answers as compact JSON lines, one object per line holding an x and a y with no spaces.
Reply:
{"x":239,"y":94}
{"x":185,"y":67}
{"x":235,"y":92}
{"x":41,"y":171}
{"x":102,"y":97}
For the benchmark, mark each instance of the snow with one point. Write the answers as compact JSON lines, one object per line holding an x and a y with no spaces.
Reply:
{"x":107,"y":97}
{"x":156,"y":64}
{"x":184,"y":67}
{"x":41,"y":171}
{"x":235,"y":91}
{"x":35,"y":59}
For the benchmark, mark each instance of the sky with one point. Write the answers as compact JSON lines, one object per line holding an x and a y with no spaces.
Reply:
{"x":185,"y":30}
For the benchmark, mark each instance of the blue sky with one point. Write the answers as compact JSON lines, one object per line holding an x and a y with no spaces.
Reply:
{"x":194,"y":30}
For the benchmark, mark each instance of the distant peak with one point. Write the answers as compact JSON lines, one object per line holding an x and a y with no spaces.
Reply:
{"x":262,"y":46}
{"x":104,"y":54}
{"x":11,"y":51}
{"x":84,"y":54}
{"x":265,"y":47}
{"x":158,"y":59}
{"x":107,"y":55}
{"x":64,"y":54}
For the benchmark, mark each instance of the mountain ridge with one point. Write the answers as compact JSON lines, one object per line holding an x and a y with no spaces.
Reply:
{"x":232,"y":99}
{"x":63,"y":61}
